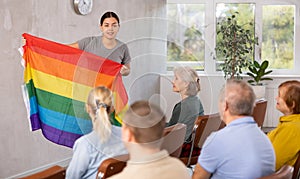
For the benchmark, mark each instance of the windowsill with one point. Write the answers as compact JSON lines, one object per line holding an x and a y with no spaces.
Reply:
{"x":220,"y":74}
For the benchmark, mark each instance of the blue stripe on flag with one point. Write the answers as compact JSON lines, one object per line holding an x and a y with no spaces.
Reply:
{"x":65,"y":122}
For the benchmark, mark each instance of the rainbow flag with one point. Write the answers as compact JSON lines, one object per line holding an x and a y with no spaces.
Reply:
{"x":58,"y":79}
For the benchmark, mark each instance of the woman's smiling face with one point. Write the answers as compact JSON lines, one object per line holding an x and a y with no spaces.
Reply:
{"x":110,"y":27}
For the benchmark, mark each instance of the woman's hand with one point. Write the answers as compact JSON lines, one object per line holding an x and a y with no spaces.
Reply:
{"x":125,"y":70}
{"x":23,"y":41}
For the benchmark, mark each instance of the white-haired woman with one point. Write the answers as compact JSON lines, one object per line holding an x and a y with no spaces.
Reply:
{"x":102,"y":143}
{"x":186,"y":82}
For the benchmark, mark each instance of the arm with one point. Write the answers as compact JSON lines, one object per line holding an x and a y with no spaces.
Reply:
{"x":23,"y":41}
{"x":200,"y":173}
{"x":175,"y":115}
{"x":286,"y":144}
{"x":79,"y":162}
{"x":125,"y":70}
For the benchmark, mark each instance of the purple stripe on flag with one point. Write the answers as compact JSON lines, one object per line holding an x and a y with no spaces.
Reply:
{"x":58,"y":136}
{"x":35,"y":122}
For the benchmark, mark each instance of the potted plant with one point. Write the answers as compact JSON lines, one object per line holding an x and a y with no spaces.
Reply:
{"x":257,"y":74}
{"x":235,"y":45}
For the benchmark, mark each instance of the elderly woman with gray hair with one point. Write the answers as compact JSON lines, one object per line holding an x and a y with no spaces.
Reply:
{"x":186,"y":82}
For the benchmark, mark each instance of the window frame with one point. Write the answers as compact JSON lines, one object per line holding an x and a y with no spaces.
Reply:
{"x":209,"y":31}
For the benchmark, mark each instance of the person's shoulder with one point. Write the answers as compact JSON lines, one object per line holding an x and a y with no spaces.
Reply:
{"x":192,"y":99}
{"x":81,"y":144}
{"x":192,"y":102}
{"x":181,"y":170}
{"x":90,"y":38}
{"x":215,"y":138}
{"x":121,"y":44}
{"x":176,"y":161}
{"x":87,"y":138}
{"x":291,"y":128}
{"x":116,"y":131}
{"x":81,"y":139}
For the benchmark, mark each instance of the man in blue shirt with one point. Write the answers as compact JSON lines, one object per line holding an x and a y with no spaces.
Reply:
{"x":241,"y":149}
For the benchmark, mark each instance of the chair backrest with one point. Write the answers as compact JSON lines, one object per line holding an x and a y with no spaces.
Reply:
{"x":54,"y":172}
{"x":174,"y":138}
{"x":259,"y":112}
{"x":209,"y":124}
{"x":285,"y":172}
{"x":204,"y":126}
{"x":296,"y":174}
{"x":112,"y":166}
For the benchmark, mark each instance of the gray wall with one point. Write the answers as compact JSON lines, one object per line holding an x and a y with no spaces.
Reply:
{"x":22,"y":150}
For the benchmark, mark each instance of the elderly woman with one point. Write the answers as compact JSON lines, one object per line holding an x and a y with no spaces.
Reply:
{"x":186,"y":82}
{"x":286,"y":136}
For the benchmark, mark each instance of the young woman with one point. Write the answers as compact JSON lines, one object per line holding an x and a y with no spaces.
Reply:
{"x":186,"y":82}
{"x":107,"y":45}
{"x":103,"y":142}
{"x":286,"y":136}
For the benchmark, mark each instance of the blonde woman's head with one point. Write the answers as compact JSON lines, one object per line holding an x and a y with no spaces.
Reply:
{"x":99,"y":106}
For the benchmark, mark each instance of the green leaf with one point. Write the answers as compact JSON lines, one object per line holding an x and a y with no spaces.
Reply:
{"x":262,"y":79}
{"x":264,"y":64}
{"x":251,"y":81}
{"x":256,"y":64}
{"x":268,"y":72}
{"x":253,"y":70}
{"x":250,"y":74}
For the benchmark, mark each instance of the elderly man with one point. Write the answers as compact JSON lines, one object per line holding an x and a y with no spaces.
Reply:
{"x":241,"y":149}
{"x":142,"y":130}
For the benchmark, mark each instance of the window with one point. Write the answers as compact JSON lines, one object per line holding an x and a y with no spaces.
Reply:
{"x":192,"y":32}
{"x":185,"y":35}
{"x":278,"y":36}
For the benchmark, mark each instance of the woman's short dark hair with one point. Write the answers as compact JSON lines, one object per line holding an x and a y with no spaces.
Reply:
{"x":109,"y":14}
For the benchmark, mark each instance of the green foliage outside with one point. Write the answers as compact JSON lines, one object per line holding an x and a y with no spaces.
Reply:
{"x":192,"y":47}
{"x":189,"y":45}
{"x":278,"y":36}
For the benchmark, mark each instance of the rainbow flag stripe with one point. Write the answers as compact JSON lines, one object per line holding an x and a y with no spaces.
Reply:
{"x":58,"y":79}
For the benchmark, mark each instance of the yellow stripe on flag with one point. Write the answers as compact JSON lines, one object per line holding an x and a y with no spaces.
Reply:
{"x":60,"y":86}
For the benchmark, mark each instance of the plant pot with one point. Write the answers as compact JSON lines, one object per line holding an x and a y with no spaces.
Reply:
{"x":260,"y":91}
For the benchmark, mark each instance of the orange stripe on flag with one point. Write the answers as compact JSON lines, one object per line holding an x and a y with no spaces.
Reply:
{"x":71,"y":72}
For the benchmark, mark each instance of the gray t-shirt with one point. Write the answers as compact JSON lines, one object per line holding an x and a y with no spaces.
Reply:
{"x":119,"y":53}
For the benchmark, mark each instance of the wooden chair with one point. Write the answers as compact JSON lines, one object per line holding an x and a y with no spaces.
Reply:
{"x":173,"y":139}
{"x":213,"y":124}
{"x":54,"y":172}
{"x":296,"y":174}
{"x":285,"y":172}
{"x":204,"y":126}
{"x":259,"y":112}
{"x":112,"y":166}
